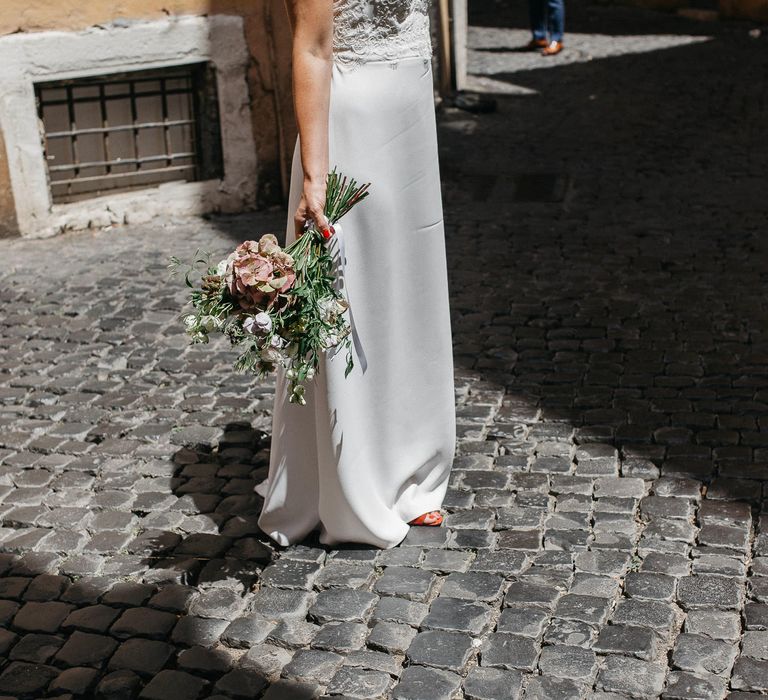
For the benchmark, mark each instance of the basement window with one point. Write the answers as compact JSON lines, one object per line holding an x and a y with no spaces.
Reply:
{"x":121,"y":132}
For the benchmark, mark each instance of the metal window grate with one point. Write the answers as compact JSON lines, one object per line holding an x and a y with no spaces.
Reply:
{"x":125,"y":131}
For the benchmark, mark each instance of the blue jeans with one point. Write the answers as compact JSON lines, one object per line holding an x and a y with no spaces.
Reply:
{"x":547,"y":19}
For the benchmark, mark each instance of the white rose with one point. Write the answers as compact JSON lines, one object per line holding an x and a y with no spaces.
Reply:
{"x":298,"y":396}
{"x":327,"y":308}
{"x":259,"y":324}
{"x":225,"y":265}
{"x":329,"y":340}
{"x":210,"y":323}
{"x":270,"y":354}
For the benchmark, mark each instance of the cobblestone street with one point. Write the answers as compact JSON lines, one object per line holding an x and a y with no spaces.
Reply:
{"x":607,"y":249}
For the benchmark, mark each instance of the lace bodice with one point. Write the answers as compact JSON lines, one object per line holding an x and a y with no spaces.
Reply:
{"x":380,"y":30}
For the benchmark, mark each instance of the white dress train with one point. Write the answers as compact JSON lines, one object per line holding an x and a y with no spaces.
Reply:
{"x":374,"y":450}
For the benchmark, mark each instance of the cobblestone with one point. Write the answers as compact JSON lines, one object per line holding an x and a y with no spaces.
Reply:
{"x":755,"y":645}
{"x":699,"y":654}
{"x":341,"y":637}
{"x":240,"y":683}
{"x":343,"y":605}
{"x":313,"y":665}
{"x":173,"y":685}
{"x":266,"y":660}
{"x":143,"y":622}
{"x":529,"y":622}
{"x":24,"y":679}
{"x":645,"y":613}
{"x":420,"y":683}
{"x":293,"y":633}
{"x":650,"y":586}
{"x":77,"y":681}
{"x":492,"y":683}
{"x":41,"y":617}
{"x":391,"y":612}
{"x":709,"y":592}
{"x":473,"y":586}
{"x":603,"y":538}
{"x":202,"y":660}
{"x":571,"y":662}
{"x":359,"y":683}
{"x":623,"y":674}
{"x":247,"y":631}
{"x":391,"y":637}
{"x":508,"y":651}
{"x":641,"y":642}
{"x":85,"y":649}
{"x":447,"y":650}
{"x":583,"y":608}
{"x":36,"y":648}
{"x":118,"y":684}
{"x":688,"y":685}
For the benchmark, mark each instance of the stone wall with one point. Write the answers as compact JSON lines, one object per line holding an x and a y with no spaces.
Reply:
{"x":268,"y":39}
{"x":7,"y":211}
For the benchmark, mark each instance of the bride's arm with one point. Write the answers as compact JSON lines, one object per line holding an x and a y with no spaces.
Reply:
{"x":312,"y":23}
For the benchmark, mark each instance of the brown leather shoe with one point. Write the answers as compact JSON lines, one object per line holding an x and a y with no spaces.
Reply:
{"x":552,"y":48}
{"x":536,"y":45}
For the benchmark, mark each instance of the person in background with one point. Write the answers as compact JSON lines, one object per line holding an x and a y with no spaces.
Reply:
{"x":548,"y":26}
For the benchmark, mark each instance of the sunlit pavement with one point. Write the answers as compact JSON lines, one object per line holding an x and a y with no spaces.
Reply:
{"x":606,"y":240}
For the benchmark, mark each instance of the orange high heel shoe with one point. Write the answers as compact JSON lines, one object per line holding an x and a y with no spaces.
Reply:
{"x":431,"y":519}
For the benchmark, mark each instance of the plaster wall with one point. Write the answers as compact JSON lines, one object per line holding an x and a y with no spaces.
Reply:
{"x":266,"y":63}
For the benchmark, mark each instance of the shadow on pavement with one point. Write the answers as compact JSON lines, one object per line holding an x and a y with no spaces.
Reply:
{"x":606,"y":257}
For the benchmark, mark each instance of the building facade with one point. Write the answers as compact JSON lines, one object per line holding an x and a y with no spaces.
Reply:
{"x":113,"y":111}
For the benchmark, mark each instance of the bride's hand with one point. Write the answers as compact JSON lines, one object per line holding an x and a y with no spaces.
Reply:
{"x":311,"y":207}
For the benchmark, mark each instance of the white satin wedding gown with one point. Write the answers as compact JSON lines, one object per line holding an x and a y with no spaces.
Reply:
{"x":374,"y":450}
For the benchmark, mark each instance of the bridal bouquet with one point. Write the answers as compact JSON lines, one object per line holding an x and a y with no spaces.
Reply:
{"x":280,"y":306}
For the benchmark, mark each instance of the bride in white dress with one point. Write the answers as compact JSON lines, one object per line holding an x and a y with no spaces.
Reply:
{"x":372,"y":452}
